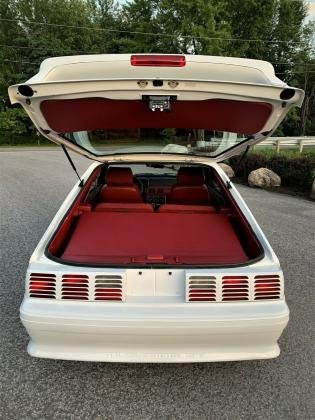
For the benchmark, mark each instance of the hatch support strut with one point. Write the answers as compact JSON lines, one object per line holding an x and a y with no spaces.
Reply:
{"x":241,"y":159}
{"x":228,"y":184}
{"x":72,"y":164}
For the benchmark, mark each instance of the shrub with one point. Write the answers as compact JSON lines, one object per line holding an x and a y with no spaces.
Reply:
{"x":16,"y":128}
{"x":297,"y":171}
{"x":13,"y":121}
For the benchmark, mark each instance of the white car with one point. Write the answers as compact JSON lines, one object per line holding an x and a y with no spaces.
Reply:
{"x":154,"y":256}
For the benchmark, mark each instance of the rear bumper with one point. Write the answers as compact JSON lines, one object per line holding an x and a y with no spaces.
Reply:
{"x":125,"y":332}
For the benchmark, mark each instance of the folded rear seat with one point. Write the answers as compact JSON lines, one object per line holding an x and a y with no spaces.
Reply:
{"x":124,"y":207}
{"x":182,"y":208}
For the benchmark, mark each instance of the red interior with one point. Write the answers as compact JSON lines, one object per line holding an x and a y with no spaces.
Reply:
{"x":180,"y":208}
{"x":86,"y":114}
{"x":190,"y":187}
{"x":124,"y":207}
{"x":241,"y":226}
{"x":79,"y":206}
{"x":120,"y":187}
{"x":167,"y":238}
{"x":139,"y":234}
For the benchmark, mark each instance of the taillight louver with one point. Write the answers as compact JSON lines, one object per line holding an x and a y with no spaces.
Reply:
{"x":201,"y":289}
{"x":42,"y":285}
{"x":75,"y":286}
{"x":267,"y":287}
{"x":108,"y":288}
{"x":234,"y":288}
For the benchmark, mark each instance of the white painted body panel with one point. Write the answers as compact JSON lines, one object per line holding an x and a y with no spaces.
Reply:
{"x":154,"y":323}
{"x":154,"y":331}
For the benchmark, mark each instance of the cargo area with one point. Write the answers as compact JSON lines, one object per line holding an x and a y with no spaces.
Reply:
{"x":167,"y":238}
{"x":180,"y":217}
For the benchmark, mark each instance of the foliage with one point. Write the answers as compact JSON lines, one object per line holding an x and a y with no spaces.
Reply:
{"x":169,"y":134}
{"x":14,"y":121}
{"x":273,"y":30}
{"x":291,"y":124}
{"x":295,"y":170}
{"x":195,"y":26}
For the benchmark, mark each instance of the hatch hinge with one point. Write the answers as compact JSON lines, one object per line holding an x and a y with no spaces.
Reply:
{"x":72,"y":165}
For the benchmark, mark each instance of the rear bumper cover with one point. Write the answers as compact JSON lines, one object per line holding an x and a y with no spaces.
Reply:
{"x":115,"y":332}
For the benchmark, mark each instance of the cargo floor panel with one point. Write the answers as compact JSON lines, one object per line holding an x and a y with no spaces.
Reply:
{"x":154,"y":238}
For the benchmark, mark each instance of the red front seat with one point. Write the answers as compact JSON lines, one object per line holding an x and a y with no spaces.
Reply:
{"x":120,"y":187}
{"x":190,"y":187}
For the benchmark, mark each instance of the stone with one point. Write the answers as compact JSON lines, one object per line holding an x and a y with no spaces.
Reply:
{"x":174,"y":148}
{"x":264,"y":178}
{"x":227,"y":169}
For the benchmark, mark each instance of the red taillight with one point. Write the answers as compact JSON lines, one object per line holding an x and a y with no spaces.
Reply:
{"x":267,"y":287}
{"x":156,"y":60}
{"x":108,"y":287}
{"x":42,"y":285}
{"x":234,"y":288}
{"x":201,"y":289}
{"x":108,"y":294}
{"x":75,"y":286}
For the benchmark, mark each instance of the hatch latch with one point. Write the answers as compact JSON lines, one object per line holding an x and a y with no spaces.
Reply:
{"x":159,"y":102}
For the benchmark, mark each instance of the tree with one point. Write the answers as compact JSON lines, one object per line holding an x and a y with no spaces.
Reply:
{"x":105,"y":16}
{"x":139,"y":18}
{"x":272,"y":30}
{"x":192,"y":27}
{"x":251,"y":25}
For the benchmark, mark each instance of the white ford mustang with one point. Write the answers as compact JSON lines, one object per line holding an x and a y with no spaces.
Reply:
{"x":154,"y":256}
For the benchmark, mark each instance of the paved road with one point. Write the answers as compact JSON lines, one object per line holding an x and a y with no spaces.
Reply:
{"x":32,"y":186}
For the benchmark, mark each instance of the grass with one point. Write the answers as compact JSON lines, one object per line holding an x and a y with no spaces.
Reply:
{"x":28,"y":145}
{"x":268,"y":152}
{"x":33,"y":142}
{"x":24,"y":141}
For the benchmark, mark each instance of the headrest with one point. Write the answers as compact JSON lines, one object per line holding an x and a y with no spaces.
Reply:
{"x":190,"y":176}
{"x":119,"y":176}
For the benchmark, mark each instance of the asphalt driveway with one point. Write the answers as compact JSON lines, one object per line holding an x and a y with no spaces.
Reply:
{"x":32,"y":186}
